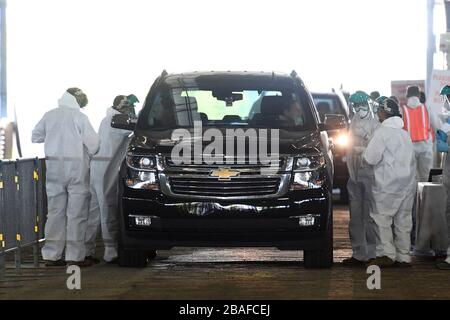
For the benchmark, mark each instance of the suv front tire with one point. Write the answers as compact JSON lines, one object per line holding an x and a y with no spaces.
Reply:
{"x":321,"y":259}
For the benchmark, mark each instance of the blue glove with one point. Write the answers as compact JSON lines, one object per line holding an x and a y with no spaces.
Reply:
{"x":441,"y":136}
{"x":448,"y":120}
{"x":441,"y":146}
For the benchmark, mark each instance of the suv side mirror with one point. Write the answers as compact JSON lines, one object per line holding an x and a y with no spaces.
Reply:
{"x":334,"y":122}
{"x":123,"y":121}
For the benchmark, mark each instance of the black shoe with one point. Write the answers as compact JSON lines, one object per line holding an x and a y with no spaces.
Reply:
{"x":382,"y":262}
{"x":401,"y":265}
{"x":353,"y":262}
{"x":57,"y":263}
{"x":440,"y":258}
{"x":113,"y":261}
{"x":81,"y":264}
{"x":93,"y":259}
{"x":443,"y":265}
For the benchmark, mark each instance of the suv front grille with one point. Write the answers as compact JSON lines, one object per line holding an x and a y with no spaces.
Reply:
{"x":197,"y":181}
{"x":235,"y":187}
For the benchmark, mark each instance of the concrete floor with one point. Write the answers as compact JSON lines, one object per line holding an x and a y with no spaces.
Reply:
{"x":247,"y":273}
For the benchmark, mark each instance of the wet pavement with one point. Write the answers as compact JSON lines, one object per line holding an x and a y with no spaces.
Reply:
{"x":221,"y":273}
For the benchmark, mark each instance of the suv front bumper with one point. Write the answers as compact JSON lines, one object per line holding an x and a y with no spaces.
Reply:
{"x":259,"y":223}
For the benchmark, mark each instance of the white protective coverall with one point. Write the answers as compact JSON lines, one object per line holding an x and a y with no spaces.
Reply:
{"x":362,"y":228}
{"x":391,"y":152}
{"x":423,"y":150}
{"x":69,"y":143}
{"x":446,"y":178}
{"x":103,"y":207}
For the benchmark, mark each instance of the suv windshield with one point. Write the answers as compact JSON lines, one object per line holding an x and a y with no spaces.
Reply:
{"x":327,"y":104}
{"x":175,"y":107}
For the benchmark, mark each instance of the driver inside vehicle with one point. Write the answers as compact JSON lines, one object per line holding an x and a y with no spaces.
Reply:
{"x":291,"y":114}
{"x":164,"y":115}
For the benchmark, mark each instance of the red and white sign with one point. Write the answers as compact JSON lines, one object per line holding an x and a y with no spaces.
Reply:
{"x":398,"y":88}
{"x":439,"y":78}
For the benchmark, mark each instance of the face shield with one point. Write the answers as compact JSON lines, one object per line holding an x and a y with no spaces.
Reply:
{"x":126,"y":107}
{"x":361,"y":110}
{"x":446,"y":101}
{"x":375,"y":107}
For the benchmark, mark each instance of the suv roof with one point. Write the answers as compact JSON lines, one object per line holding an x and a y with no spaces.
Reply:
{"x":328,"y":94}
{"x":228,"y":77}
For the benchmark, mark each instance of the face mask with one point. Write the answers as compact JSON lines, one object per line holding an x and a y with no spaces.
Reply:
{"x":413,"y":102}
{"x":362,"y":113}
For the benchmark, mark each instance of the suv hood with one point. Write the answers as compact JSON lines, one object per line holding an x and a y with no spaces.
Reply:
{"x":290,"y":142}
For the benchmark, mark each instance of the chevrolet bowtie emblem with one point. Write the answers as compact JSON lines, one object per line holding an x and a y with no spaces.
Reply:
{"x":224,"y":173}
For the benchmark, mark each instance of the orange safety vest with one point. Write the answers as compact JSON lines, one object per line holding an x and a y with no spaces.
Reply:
{"x":417,"y":123}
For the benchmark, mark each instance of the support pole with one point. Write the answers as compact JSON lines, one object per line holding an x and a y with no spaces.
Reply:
{"x":431,"y":47}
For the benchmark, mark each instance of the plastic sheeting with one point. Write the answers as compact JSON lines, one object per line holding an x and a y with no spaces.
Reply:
{"x":431,"y":230}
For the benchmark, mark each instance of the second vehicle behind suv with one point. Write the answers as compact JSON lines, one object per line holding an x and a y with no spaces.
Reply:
{"x":227,"y":159}
{"x":334,"y":103}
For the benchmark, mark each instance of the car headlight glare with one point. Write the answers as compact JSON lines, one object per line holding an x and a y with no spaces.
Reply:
{"x":342,"y":140}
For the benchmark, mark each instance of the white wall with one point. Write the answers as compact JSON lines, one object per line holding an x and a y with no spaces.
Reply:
{"x":110,"y":47}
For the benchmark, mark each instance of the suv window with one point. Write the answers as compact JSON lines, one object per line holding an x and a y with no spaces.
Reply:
{"x":175,"y":107}
{"x":328,"y":104}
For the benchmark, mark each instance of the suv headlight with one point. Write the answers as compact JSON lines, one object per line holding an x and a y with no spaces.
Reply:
{"x":342,"y":140}
{"x":307,"y":180}
{"x":142,"y":172}
{"x":307,"y":173}
{"x":309,"y":162}
{"x":138,"y":162}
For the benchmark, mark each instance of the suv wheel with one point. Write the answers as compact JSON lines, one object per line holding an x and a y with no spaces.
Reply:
{"x":132,"y":258}
{"x":151,"y":254}
{"x":319,"y":259}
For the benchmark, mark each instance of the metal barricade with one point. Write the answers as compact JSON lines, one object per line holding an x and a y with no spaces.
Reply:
{"x":23,"y":208}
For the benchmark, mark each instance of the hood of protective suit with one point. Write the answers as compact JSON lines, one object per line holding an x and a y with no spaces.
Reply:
{"x":68,"y":101}
{"x":413,"y":102}
{"x":111,"y":111}
{"x":393,"y":122}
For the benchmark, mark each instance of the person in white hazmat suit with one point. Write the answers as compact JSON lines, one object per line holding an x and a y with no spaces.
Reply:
{"x":69,"y":143}
{"x":362,"y":228}
{"x":417,"y":122}
{"x":391,"y":153}
{"x":103,"y":207}
{"x":443,"y":146}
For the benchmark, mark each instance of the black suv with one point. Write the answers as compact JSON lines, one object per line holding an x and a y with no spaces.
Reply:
{"x":331,"y":104}
{"x":227,"y":159}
